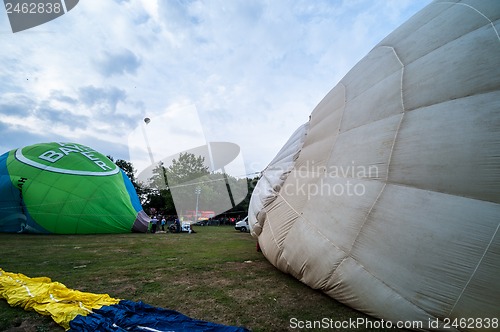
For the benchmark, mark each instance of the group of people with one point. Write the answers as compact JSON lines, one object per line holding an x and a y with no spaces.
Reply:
{"x":157,"y":223}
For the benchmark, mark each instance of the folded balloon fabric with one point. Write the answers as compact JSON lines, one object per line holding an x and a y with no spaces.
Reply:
{"x":80,"y":311}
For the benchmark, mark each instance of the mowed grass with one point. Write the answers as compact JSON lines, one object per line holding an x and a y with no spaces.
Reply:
{"x":215,"y":275}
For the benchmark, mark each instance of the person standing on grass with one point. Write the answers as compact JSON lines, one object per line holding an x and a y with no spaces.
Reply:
{"x":154,"y":221}
{"x":163,"y":222}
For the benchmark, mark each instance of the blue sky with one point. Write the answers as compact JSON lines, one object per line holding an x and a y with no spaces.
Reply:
{"x":251,"y":71}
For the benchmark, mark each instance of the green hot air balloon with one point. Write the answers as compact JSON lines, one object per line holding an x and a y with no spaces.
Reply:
{"x":66,"y":188}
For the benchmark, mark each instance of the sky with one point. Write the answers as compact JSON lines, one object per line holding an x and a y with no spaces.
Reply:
{"x":247,"y":72}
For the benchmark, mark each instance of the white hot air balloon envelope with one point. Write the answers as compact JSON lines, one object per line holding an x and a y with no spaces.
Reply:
{"x":388,"y":199}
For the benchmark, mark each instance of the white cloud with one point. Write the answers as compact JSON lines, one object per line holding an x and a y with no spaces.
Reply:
{"x":253,"y":70}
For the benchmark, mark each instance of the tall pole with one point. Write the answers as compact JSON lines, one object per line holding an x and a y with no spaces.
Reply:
{"x":198,"y":192}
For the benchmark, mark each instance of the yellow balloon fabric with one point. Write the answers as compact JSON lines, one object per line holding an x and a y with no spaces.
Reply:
{"x":49,"y":298}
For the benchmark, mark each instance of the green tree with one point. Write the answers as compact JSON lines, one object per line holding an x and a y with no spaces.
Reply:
{"x":188,"y":167}
{"x":179,"y":183}
{"x":185,"y":174}
{"x":174,"y":180}
{"x":159,"y":196}
{"x":159,"y":179}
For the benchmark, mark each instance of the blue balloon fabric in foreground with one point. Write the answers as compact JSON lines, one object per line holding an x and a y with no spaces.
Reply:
{"x":132,"y":316}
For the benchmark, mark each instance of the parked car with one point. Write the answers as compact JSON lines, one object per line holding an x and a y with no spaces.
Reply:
{"x":207,"y":222}
{"x":242,"y":225}
{"x":200,"y":222}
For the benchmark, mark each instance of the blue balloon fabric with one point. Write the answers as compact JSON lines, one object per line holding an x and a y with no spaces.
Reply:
{"x":80,"y":311}
{"x":129,"y":316}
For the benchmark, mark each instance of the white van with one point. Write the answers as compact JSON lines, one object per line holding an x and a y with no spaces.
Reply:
{"x":242,"y":225}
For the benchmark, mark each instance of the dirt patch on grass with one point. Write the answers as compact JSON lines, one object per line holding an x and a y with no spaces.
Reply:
{"x":30,"y":325}
{"x":25,"y":326}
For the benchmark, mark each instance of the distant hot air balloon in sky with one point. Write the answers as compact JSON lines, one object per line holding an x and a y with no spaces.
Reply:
{"x":66,"y":188}
{"x":388,"y":199}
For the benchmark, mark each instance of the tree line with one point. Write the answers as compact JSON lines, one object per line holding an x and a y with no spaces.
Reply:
{"x":186,"y":183}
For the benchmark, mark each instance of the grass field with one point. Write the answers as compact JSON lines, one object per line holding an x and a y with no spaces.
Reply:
{"x":215,"y":275}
